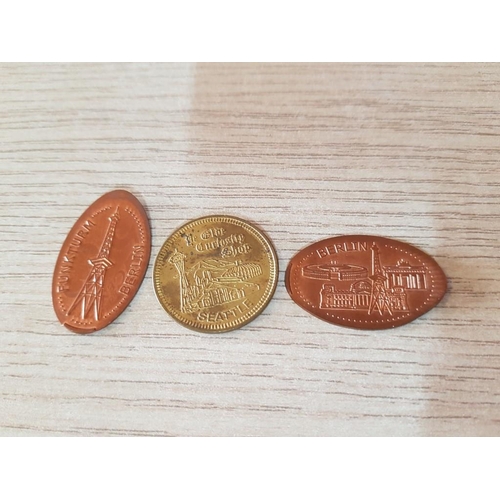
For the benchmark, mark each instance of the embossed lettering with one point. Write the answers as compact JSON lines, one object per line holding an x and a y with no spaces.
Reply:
{"x":351,"y":246}
{"x":212,"y":233}
{"x":134,"y":269}
{"x":234,"y":312}
{"x":62,"y":283}
{"x":233,"y":239}
{"x":88,"y":224}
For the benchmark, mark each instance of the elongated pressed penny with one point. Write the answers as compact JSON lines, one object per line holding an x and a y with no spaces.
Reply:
{"x":365,"y":282}
{"x":102,"y":263}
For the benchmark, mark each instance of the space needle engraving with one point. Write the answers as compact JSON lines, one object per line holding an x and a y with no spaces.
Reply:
{"x":90,"y":296}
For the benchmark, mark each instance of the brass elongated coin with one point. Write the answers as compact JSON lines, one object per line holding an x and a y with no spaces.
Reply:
{"x":365,"y":282}
{"x":215,"y":274}
{"x":101,"y":263}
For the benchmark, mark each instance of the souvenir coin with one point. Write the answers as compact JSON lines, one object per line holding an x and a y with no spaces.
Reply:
{"x":215,"y":274}
{"x":101,"y":263}
{"x":365,"y":282}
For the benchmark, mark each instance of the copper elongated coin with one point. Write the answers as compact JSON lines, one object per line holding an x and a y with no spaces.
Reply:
{"x":102,"y":263}
{"x":365,"y":282}
{"x":216,"y":273}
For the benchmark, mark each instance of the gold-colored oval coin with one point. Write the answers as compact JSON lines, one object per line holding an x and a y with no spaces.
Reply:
{"x":215,"y":274}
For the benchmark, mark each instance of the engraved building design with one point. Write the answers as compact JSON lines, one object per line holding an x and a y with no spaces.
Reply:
{"x":357,"y":297}
{"x":334,"y":271}
{"x":212,"y":282}
{"x":382,"y":291}
{"x":409,"y":277}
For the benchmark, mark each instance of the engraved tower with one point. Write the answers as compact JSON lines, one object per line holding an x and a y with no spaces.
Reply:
{"x":90,"y":296}
{"x":379,"y":299}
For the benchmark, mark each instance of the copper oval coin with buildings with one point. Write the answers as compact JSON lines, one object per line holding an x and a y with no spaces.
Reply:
{"x":365,"y":282}
{"x":216,"y":274}
{"x":102,"y":263}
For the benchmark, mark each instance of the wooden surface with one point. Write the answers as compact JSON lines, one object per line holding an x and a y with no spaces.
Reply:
{"x":306,"y":152}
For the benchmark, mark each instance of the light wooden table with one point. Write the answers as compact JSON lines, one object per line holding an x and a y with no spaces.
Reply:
{"x":306,"y":152}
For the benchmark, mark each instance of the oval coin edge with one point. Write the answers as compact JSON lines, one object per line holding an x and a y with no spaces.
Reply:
{"x":333,"y":281}
{"x":126,"y":215}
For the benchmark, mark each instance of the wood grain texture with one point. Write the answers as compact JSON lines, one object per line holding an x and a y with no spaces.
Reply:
{"x":411,"y":152}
